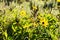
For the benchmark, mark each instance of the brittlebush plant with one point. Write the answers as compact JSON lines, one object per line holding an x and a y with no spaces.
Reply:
{"x":49,"y":23}
{"x":24,"y":26}
{"x":26,"y":22}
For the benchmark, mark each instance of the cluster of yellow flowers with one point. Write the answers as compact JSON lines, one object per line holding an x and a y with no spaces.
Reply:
{"x":29,"y":19}
{"x":43,"y":21}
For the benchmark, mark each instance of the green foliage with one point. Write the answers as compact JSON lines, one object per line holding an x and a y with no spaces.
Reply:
{"x":27,"y":22}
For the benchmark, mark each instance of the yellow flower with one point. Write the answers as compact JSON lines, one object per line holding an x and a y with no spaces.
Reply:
{"x":43,"y":21}
{"x":34,"y":7}
{"x":58,"y":0}
{"x":27,"y":25}
{"x":35,"y":24}
{"x":23,"y":13}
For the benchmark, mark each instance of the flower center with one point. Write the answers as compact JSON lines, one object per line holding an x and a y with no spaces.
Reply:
{"x":42,"y":22}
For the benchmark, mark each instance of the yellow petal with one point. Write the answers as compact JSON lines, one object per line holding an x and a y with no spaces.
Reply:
{"x":58,"y":0}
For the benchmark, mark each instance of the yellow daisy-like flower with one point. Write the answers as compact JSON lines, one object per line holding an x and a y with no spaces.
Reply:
{"x":58,"y":0}
{"x":35,"y":24}
{"x":43,"y":21}
{"x":27,"y":25}
{"x":23,"y":13}
{"x":34,"y":7}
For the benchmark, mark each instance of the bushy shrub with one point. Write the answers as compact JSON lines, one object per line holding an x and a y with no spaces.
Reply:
{"x":28,"y":22}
